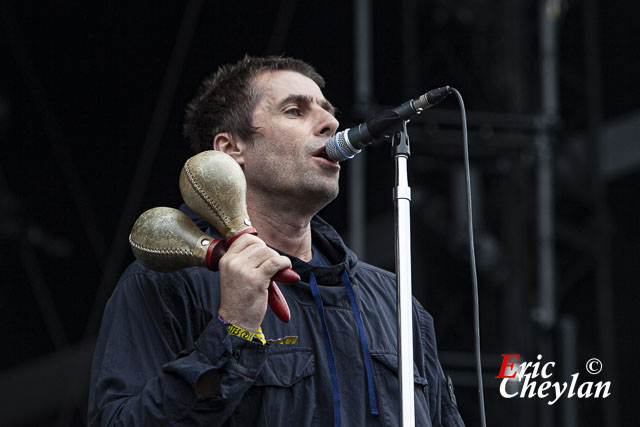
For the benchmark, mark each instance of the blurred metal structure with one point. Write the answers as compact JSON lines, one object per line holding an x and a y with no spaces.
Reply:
{"x":549,"y":13}
{"x":602,"y":238}
{"x":363,"y":94}
{"x":22,"y":405}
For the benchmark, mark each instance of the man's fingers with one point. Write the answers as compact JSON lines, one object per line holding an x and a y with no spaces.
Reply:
{"x":251,"y":256}
{"x":274,"y":264}
{"x":243,"y":242}
{"x":250,"y":252}
{"x":245,"y":274}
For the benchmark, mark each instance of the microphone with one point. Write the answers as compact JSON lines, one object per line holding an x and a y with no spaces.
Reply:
{"x":349,"y":142}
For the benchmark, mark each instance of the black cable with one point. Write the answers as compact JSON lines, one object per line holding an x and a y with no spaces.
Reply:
{"x":472,"y":253}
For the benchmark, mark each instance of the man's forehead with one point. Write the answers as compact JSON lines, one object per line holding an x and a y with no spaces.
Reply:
{"x":275,"y":86}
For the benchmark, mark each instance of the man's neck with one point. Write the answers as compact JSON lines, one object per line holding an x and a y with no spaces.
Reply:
{"x":283,"y":230}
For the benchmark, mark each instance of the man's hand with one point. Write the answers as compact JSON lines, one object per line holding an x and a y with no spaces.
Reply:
{"x":245,"y":274}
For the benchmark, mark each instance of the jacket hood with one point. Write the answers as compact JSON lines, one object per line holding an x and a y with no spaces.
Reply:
{"x":325,"y":238}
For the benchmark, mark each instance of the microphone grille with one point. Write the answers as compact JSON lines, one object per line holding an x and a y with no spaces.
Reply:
{"x":339,"y":148}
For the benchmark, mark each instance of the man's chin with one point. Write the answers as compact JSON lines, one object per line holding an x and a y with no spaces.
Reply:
{"x":318,"y":198}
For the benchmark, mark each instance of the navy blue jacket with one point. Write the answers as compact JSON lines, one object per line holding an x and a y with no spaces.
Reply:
{"x":160,"y":333}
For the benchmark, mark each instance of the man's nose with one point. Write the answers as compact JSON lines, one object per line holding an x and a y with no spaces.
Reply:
{"x":327,"y":124}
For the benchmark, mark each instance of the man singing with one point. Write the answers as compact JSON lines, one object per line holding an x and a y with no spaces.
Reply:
{"x":169,"y":353}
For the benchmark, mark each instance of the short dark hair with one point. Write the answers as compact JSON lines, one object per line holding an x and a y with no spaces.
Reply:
{"x":226,"y":99}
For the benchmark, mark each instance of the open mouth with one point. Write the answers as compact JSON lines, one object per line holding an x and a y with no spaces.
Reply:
{"x":322,"y":153}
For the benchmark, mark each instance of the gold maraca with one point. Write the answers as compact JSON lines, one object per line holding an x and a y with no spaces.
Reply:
{"x":213,"y":185}
{"x":166,"y":239}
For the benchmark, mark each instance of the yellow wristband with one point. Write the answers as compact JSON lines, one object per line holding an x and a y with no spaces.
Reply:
{"x":243,"y":333}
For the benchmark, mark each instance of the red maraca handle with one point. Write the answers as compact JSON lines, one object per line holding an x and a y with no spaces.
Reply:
{"x":276,"y":300}
{"x":283,"y":276}
{"x":277,"y":303}
{"x":286,"y":276}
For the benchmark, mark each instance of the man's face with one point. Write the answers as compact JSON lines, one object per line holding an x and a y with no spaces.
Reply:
{"x":287,"y":157}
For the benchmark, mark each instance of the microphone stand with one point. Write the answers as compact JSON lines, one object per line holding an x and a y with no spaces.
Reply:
{"x":402,"y":205}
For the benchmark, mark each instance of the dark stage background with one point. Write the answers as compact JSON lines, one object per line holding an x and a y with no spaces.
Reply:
{"x":91,"y":107}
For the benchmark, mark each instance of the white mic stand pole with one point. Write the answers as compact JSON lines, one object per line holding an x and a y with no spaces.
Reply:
{"x":402,"y":203}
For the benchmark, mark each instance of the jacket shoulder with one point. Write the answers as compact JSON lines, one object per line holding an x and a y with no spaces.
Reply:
{"x":195,"y":286}
{"x":385,"y":280}
{"x":136,"y":273}
{"x":375,"y":280}
{"x":372,"y":270}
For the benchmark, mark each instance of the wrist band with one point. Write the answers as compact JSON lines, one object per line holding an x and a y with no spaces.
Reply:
{"x":243,"y":333}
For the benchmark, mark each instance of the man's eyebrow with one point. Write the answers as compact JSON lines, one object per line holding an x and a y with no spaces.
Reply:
{"x":306,"y":99}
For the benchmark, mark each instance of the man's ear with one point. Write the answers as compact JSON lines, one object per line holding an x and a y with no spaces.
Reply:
{"x":227,"y":143}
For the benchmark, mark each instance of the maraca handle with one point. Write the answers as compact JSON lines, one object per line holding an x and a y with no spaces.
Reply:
{"x":283,"y":276}
{"x":276,"y":300}
{"x":213,"y":185}
{"x":248,"y":230}
{"x":287,"y":276}
{"x":277,"y":303}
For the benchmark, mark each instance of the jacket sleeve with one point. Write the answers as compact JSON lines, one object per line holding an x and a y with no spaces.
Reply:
{"x":448,"y":405}
{"x":442,"y":399}
{"x":154,"y":344}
